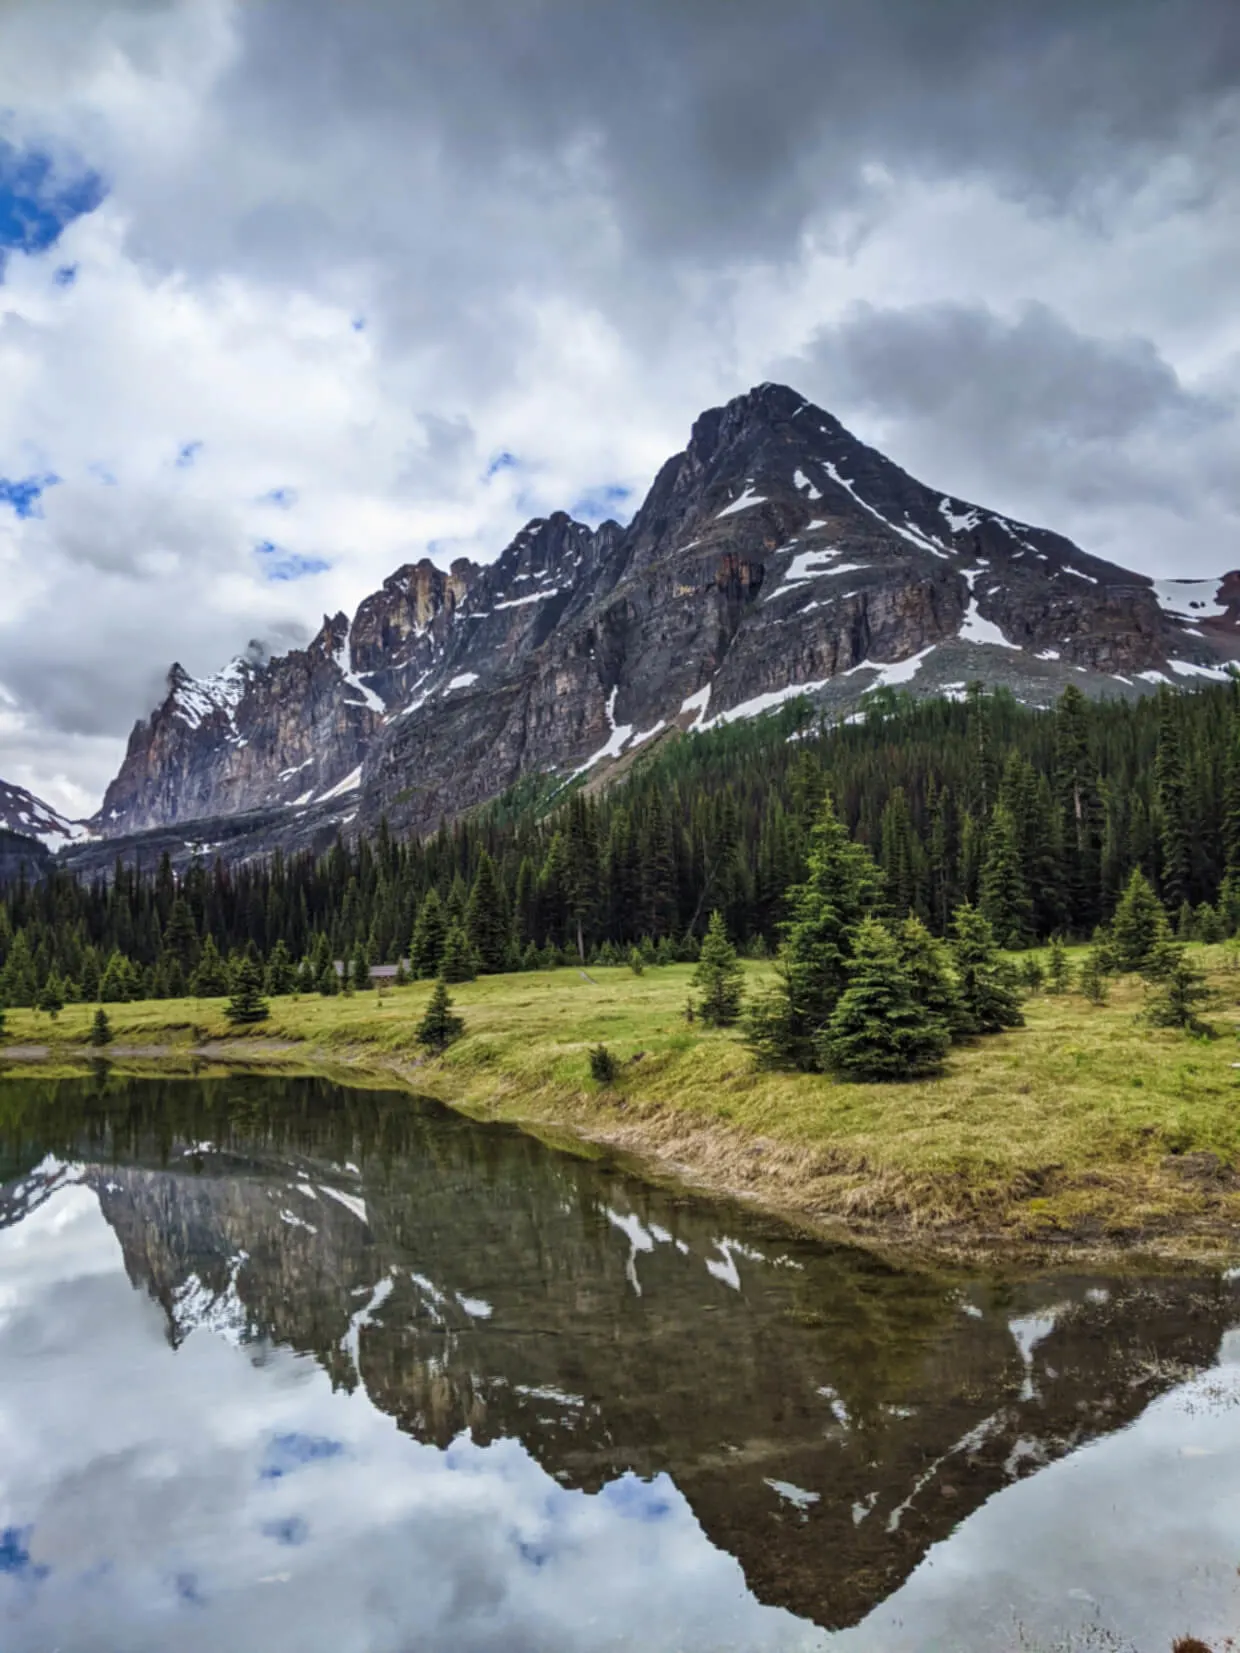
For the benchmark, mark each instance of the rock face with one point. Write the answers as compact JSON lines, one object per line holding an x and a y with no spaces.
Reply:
{"x":776,"y":556}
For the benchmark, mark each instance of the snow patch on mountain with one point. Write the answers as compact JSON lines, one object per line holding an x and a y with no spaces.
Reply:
{"x":195,"y":699}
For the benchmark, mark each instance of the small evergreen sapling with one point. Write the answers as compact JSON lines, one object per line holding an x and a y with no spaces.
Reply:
{"x":281,"y":973}
{"x":1184,"y":991}
{"x":439,"y":1026}
{"x":637,"y":963}
{"x":879,"y":1030}
{"x":1058,"y":968}
{"x":1093,"y":980}
{"x":925,"y":959}
{"x":719,"y":977}
{"x":247,"y":1005}
{"x":101,"y":1028}
{"x":603,"y":1065}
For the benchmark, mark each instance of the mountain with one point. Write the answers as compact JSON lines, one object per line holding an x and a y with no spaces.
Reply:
{"x":22,"y":812}
{"x":776,"y":556}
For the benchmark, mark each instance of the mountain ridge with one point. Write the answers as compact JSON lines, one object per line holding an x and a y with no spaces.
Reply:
{"x":776,"y":555}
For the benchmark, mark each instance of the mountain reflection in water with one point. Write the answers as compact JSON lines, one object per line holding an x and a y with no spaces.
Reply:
{"x":395,"y":1380}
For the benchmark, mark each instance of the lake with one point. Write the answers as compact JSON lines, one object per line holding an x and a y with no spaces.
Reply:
{"x":289,"y":1365}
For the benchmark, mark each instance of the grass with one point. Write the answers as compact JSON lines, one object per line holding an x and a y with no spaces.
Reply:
{"x":1085,"y":1128}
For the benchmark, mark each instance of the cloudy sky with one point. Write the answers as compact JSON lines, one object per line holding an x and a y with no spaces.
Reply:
{"x":296,"y":290}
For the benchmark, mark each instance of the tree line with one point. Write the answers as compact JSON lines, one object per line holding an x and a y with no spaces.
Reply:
{"x":1035,"y":820}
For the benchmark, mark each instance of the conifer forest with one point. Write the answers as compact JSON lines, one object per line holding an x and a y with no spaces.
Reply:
{"x":1034,"y":818}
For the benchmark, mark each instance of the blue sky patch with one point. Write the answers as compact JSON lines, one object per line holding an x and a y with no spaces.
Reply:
{"x":15,"y":1555}
{"x":23,"y":493}
{"x":279,"y":564}
{"x":286,"y":1453}
{"x":283,"y":498}
{"x":66,"y":275}
{"x":504,"y":461}
{"x":639,"y":1500}
{"x":607,"y":500}
{"x":187,"y":1589}
{"x":36,"y":202}
{"x":187,"y":453}
{"x":358,"y":324}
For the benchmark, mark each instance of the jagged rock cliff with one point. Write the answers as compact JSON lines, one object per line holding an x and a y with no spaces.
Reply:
{"x":777,"y":555}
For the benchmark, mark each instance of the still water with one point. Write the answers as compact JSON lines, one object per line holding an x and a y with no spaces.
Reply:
{"x":284,"y":1365}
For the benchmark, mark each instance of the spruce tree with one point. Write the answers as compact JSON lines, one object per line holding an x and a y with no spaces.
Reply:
{"x":1139,"y":924}
{"x":1,"y":1019}
{"x":486,"y":919}
{"x":718,"y":977}
{"x":180,"y":938}
{"x":210,"y":979}
{"x":843,"y":886}
{"x":1058,"y":968}
{"x":878,"y":1029}
{"x":988,"y":993}
{"x":247,"y":1004}
{"x":1003,"y":893}
{"x":1171,"y":791}
{"x":114,"y":985}
{"x":1093,"y":980}
{"x":282,"y":977}
{"x":1184,"y":991}
{"x":101,"y":1028}
{"x":361,"y":967}
{"x":926,"y":962}
{"x":51,"y":999}
{"x":458,"y":963}
{"x":439,"y":1026}
{"x":426,"y":947}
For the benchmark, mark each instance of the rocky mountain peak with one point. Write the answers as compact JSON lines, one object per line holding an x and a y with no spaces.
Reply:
{"x":777,"y":555}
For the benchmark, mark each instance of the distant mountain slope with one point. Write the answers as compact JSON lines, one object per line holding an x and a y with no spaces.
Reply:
{"x":777,"y":555}
{"x":22,"y":812}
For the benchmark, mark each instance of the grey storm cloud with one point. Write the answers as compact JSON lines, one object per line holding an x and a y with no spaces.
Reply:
{"x":1028,"y":407}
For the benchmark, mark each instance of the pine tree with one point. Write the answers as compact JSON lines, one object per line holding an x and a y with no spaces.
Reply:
{"x":1171,"y":788}
{"x":439,"y":1027}
{"x":210,"y":979}
{"x":719,"y":977}
{"x":282,"y":976}
{"x":114,"y":985}
{"x":928,"y":967}
{"x":458,"y":960}
{"x":180,"y":938}
{"x":426,"y":948}
{"x":2,"y":1026}
{"x":878,"y":1029}
{"x":361,"y":967}
{"x":486,"y":919}
{"x":247,"y":1004}
{"x":1004,"y":894}
{"x":51,"y":999}
{"x":988,"y":992}
{"x":18,"y":983}
{"x":1080,"y":805}
{"x":1138,"y":925}
{"x":842,"y":888}
{"x":101,"y":1028}
{"x":1183,"y":993}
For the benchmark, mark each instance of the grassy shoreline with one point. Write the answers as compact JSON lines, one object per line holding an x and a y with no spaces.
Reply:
{"x":1084,"y":1134}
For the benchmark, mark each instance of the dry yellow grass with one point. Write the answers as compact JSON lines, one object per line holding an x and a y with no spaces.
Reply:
{"x":1085,"y":1126}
